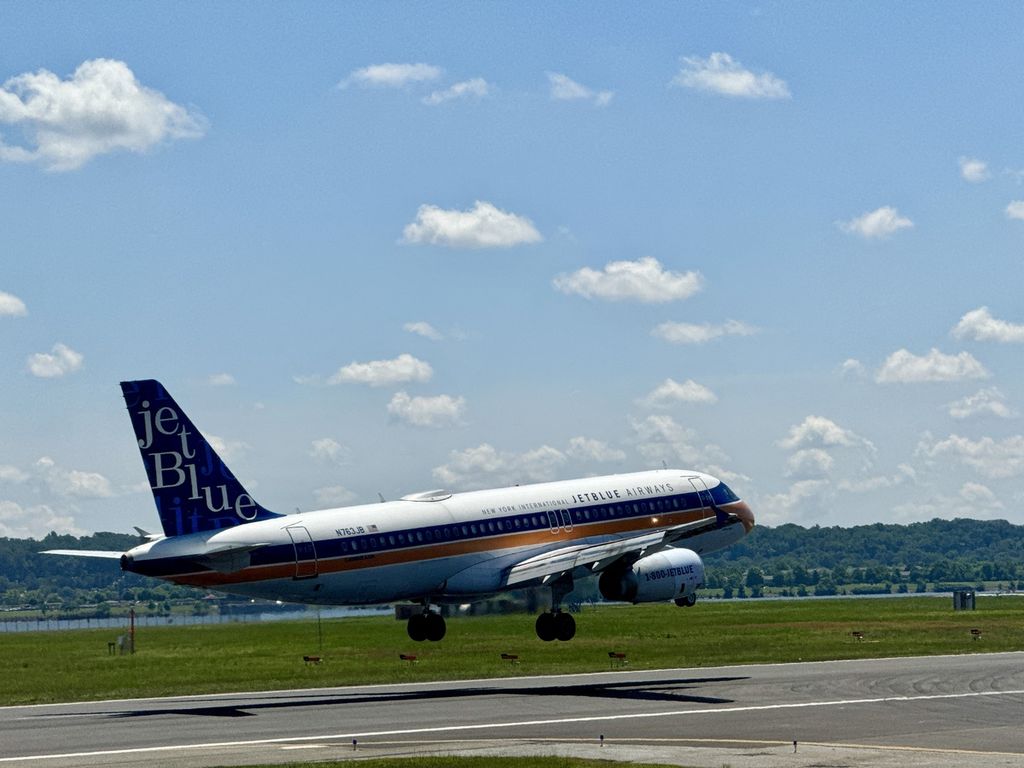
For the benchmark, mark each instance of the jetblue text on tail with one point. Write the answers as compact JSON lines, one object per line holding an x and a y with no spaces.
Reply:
{"x":193,"y":487}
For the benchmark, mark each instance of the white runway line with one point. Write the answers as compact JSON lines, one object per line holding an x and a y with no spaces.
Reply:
{"x":516,"y":724}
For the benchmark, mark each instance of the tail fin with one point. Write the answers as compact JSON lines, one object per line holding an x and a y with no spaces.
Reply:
{"x":193,"y":488}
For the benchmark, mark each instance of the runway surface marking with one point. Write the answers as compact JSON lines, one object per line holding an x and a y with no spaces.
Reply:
{"x":517,"y":724}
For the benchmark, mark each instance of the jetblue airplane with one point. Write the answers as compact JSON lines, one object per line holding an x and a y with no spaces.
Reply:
{"x":641,"y":533}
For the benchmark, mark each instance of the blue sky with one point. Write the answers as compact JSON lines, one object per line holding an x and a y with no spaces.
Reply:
{"x":380,"y":248}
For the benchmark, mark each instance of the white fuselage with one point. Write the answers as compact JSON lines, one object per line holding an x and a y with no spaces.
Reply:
{"x":436,"y":546}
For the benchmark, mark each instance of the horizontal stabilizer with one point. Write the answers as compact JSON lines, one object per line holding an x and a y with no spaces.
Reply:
{"x":84,"y":553}
{"x":147,"y":535}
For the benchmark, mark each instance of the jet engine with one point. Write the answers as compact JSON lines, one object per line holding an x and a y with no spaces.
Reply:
{"x":671,"y":574}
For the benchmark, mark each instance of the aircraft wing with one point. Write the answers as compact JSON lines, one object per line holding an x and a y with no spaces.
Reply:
{"x":597,"y":557}
{"x":84,"y":553}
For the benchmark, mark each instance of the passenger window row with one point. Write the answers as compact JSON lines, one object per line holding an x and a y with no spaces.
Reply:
{"x":538,"y":521}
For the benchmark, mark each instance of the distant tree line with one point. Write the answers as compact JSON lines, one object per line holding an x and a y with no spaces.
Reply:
{"x":53,"y":584}
{"x":787,"y":559}
{"x":935,"y":555}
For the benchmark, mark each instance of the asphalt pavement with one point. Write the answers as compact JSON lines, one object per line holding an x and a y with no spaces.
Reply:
{"x":934,"y":711}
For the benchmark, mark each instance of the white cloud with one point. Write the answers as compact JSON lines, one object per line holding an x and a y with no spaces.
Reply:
{"x":809,"y":463}
{"x":73,"y":483}
{"x":382,"y":373}
{"x":720,"y":73}
{"x":693,"y":333}
{"x":980,"y":498}
{"x":905,"y":473}
{"x":333,"y":496}
{"x":727,"y":475}
{"x":101,"y":108}
{"x":330,"y":450}
{"x":221,"y":380}
{"x":979,"y":495}
{"x":671,"y":391}
{"x":477,"y":88}
{"x":804,"y":499}
{"x":564,"y":88}
{"x":88,"y":485}
{"x":978,"y":324}
{"x":11,"y":305}
{"x":819,"y":476}
{"x":63,"y":360}
{"x":589,"y":449}
{"x":877,"y":224}
{"x":904,"y":367}
{"x":35,"y":522}
{"x":9,"y":474}
{"x":483,"y":467}
{"x":1015,"y":210}
{"x":644,"y":280}
{"x":424,"y":329}
{"x":820,"y":432}
{"x":391,"y":75}
{"x":973,"y":170}
{"x":228,"y":450}
{"x":989,"y":401}
{"x":485,"y":226}
{"x":659,"y":438}
{"x":994,"y":459}
{"x":852,"y":368}
{"x":438,"y":411}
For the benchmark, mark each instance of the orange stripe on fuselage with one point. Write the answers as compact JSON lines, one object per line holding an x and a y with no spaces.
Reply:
{"x":435,"y":550}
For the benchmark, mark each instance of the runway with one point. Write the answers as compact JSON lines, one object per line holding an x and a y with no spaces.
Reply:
{"x":950,"y":710}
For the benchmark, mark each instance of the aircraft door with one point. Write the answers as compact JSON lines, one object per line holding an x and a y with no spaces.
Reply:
{"x":567,"y":520}
{"x":553,"y":521}
{"x":305,"y":552}
{"x":706,"y":502}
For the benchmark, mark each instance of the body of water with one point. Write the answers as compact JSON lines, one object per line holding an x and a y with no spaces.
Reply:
{"x":121,"y":622}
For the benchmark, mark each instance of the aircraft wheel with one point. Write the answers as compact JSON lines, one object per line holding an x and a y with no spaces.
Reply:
{"x":435,"y":626}
{"x":417,"y":627}
{"x":546,"y":626}
{"x":565,"y":626}
{"x":687,"y":602}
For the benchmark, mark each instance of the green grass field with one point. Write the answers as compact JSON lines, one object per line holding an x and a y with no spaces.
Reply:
{"x":40,"y":667}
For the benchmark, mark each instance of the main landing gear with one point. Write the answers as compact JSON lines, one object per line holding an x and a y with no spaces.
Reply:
{"x":554,"y":624}
{"x":426,"y":626}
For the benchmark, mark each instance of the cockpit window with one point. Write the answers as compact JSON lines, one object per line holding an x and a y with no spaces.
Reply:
{"x":722,"y":494}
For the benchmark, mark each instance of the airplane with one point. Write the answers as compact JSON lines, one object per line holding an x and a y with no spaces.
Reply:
{"x":641,"y":533}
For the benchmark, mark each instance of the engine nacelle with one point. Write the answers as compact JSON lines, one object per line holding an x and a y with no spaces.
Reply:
{"x":666,"y":575}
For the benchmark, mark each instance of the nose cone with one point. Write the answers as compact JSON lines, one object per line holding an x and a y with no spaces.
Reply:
{"x":742,"y":511}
